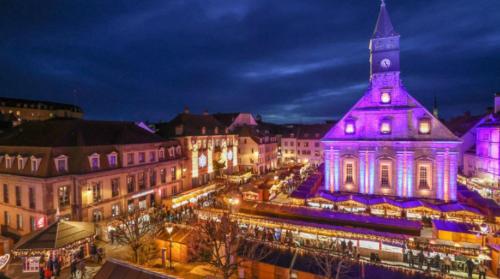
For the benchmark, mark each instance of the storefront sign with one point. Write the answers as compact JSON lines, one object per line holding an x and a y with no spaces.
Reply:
{"x":4,"y":260}
{"x":392,"y":248}
{"x":369,"y":244}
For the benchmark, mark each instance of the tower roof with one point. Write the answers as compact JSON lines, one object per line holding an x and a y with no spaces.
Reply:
{"x":384,"y":27}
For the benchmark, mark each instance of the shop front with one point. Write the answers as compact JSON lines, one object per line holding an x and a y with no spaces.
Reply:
{"x":61,"y":240}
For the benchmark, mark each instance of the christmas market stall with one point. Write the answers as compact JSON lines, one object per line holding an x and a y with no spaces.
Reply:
{"x":417,"y":209}
{"x":461,"y":213}
{"x":385,"y":207}
{"x":61,"y":239}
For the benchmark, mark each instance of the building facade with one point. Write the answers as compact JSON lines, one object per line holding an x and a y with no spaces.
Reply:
{"x":258,"y":149}
{"x":209,"y":146}
{"x":83,"y":170}
{"x":302,"y":144}
{"x":20,"y":110}
{"x":388,"y":143}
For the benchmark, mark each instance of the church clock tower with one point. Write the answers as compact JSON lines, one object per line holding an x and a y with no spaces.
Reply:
{"x":384,"y":47}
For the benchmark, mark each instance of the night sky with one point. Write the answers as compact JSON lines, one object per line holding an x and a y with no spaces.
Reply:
{"x":288,"y":60}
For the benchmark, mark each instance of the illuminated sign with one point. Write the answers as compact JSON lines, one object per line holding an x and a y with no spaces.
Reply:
{"x":143,"y":194}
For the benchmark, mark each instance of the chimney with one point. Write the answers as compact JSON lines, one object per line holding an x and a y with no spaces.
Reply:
{"x":186,"y":110}
{"x":497,"y":102}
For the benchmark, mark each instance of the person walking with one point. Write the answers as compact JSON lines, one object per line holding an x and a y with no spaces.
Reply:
{"x":73,"y":268}
{"x":410,"y":258}
{"x":421,"y":259}
{"x":470,"y":268}
{"x":482,"y":270}
{"x":447,"y":264}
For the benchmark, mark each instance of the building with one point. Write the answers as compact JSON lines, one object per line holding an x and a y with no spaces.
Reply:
{"x":209,"y":146}
{"x":388,"y":143}
{"x":302,"y":143}
{"x":258,"y":144}
{"x":483,"y":160}
{"x":20,"y":110}
{"x":83,"y":170}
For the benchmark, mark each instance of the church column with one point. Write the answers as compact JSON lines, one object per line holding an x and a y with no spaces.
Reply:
{"x":409,"y":173}
{"x":440,"y":175}
{"x":452,"y":189}
{"x":328,"y":169}
{"x":400,"y":170}
{"x":336,"y":170}
{"x":371,"y":171}
{"x":363,"y":178}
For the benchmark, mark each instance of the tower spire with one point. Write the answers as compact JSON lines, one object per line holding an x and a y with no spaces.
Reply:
{"x":384,"y":27}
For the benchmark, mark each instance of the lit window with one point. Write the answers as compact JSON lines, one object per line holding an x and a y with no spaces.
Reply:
{"x":385,"y":127}
{"x":349,"y":128}
{"x":424,"y":126}
{"x":384,"y":176}
{"x":349,"y":173}
{"x":385,"y":98}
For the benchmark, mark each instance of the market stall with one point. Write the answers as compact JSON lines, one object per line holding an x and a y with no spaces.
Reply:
{"x":417,"y":209}
{"x":461,"y":213}
{"x":61,"y":239}
{"x":385,"y":207}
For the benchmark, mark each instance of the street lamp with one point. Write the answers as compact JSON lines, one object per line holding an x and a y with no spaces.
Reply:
{"x":170,"y":229}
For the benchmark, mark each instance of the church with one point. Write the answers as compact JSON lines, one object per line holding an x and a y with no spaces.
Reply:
{"x":388,"y":143}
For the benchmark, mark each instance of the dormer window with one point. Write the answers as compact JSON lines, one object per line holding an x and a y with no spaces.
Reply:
{"x":203,"y":130}
{"x":94,"y":161}
{"x":113,"y":159}
{"x":349,"y":127}
{"x":152,"y":156}
{"x":21,"y":162}
{"x":216,"y":130}
{"x":8,"y":161}
{"x":161,"y":154}
{"x":142,"y":157}
{"x":35,"y":163}
{"x":385,"y":127}
{"x":424,"y":126}
{"x":178,"y":150}
{"x":385,"y":97}
{"x":61,"y":163}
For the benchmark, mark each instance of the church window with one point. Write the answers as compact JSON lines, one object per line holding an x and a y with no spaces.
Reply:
{"x":384,"y":176}
{"x":349,"y":173}
{"x":385,"y":127}
{"x":385,"y":97}
{"x":424,"y":177}
{"x":424,"y":126}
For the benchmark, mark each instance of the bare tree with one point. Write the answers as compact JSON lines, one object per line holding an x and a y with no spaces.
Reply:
{"x":331,"y":265}
{"x":135,"y":228}
{"x":224,"y":246}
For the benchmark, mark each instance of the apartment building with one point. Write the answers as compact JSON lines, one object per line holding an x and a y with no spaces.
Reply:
{"x":82,"y":170}
{"x":302,"y":143}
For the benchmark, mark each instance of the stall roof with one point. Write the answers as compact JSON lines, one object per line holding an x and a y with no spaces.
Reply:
{"x":451,"y":226}
{"x":117,"y":269}
{"x":450,"y":207}
{"x":56,"y":235}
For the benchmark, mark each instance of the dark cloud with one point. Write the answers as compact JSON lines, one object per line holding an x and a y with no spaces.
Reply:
{"x":288,"y":60}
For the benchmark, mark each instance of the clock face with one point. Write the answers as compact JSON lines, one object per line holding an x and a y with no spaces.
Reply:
{"x":385,"y":63}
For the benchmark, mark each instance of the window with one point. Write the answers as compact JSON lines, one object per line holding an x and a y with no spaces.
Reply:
{"x":130,"y":158}
{"x":18,"y":196}
{"x":316,"y":144}
{"x":6,"y":218}
{"x":163,"y":176}
{"x":32,"y":224}
{"x":62,"y":163}
{"x":291,"y":143}
{"x":152,"y":178}
{"x":63,"y":196}
{"x":384,"y":176}
{"x":173,"y":173}
{"x":21,"y":162}
{"x":31,"y":198}
{"x":424,"y":126}
{"x":97,"y":215}
{"x":130,"y":183}
{"x":349,"y":173}
{"x":115,"y":210}
{"x":141,"y":181}
{"x":115,"y":187}
{"x":423,"y":177}
{"x":8,"y":161}
{"x":152,"y":156}
{"x":142,"y":157}
{"x":94,"y":163}
{"x":349,"y":128}
{"x":6,"y":193}
{"x":19,"y":221}
{"x":35,"y":163}
{"x":385,"y":127}
{"x":113,"y":159}
{"x":385,"y":97}
{"x":96,"y":191}
{"x":161,"y":154}
{"x":203,"y":130}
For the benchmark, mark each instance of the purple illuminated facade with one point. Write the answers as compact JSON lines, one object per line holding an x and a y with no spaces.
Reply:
{"x":388,"y":143}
